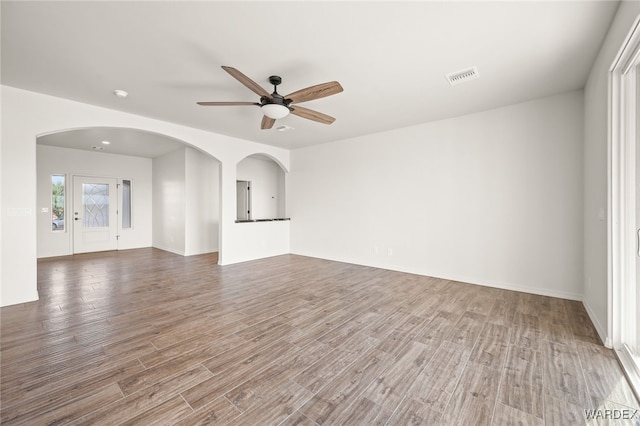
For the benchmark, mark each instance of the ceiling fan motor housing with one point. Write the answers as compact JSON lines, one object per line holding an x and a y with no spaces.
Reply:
{"x":275,"y":98}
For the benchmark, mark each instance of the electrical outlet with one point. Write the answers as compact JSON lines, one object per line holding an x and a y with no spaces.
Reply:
{"x":390,"y":252}
{"x":376,"y":250}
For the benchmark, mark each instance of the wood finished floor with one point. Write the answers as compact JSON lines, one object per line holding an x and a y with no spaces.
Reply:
{"x":149,"y":337}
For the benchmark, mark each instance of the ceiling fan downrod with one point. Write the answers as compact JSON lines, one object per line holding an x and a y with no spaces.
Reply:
{"x":276,"y":98}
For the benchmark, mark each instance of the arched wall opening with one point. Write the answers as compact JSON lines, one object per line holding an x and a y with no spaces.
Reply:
{"x":260,"y":188}
{"x":167,"y":193}
{"x":28,"y":115}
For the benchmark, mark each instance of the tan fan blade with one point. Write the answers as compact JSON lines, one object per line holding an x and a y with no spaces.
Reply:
{"x":252,"y":85}
{"x":226,"y":103}
{"x":312,"y":115}
{"x":315,"y":92}
{"x":267,"y":123}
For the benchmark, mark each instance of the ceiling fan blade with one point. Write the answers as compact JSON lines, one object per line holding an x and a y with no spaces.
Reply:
{"x":267,"y":123}
{"x":315,"y":92}
{"x":226,"y":103}
{"x":312,"y":115}
{"x":252,"y":85}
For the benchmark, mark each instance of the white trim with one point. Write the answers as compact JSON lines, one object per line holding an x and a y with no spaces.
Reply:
{"x":621,"y":229}
{"x":630,"y":368}
{"x":451,"y":277}
{"x":602,"y":332}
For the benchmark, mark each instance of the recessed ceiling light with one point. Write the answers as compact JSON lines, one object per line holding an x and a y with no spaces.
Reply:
{"x":284,"y":128}
{"x":97,"y":148}
{"x":106,"y":142}
{"x":121,"y":93}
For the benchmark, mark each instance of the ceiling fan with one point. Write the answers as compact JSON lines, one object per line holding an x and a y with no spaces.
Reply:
{"x":275,"y":106}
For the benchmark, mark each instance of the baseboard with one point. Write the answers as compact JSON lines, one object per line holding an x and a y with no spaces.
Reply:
{"x":19,"y":301}
{"x":232,"y":261}
{"x":199,"y":252}
{"x":602,"y":333}
{"x":459,"y":278}
{"x":181,"y":253}
{"x":512,"y":287}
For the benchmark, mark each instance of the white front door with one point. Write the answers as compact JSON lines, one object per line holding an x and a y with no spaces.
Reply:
{"x":95,"y":220}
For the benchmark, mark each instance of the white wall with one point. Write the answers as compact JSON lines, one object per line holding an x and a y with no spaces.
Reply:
{"x":202,"y":179}
{"x":267,"y":186}
{"x":257,"y":237}
{"x":596,"y":170}
{"x":186,"y":200}
{"x":169,"y":202}
{"x":268,"y":195}
{"x":53,"y":160}
{"x":25,"y":115}
{"x":491,"y":198}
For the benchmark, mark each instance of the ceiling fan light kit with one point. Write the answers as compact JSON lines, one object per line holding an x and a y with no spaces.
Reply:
{"x":275,"y":106}
{"x":275,"y":111}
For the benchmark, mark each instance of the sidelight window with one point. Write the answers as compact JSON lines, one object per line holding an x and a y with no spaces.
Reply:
{"x":57,"y":202}
{"x":126,"y":204}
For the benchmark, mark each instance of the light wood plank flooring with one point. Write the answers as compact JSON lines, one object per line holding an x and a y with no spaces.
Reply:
{"x":149,"y":337}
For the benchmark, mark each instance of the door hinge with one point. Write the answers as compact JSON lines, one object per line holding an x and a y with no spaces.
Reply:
{"x":117,"y":237}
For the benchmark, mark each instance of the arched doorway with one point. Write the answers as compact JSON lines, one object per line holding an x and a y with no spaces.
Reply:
{"x":260,"y":188}
{"x":164,"y":192}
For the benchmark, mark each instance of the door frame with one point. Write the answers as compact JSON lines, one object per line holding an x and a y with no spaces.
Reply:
{"x":116,"y":206}
{"x":246,"y":194}
{"x":622,"y":240}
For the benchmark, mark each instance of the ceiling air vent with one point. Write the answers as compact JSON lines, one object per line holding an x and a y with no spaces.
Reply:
{"x":462,"y":76}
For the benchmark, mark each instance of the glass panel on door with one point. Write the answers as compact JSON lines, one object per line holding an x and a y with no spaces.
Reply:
{"x":95,"y":221}
{"x":95,"y":203}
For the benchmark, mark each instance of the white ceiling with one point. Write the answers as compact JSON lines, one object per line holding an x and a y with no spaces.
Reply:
{"x":121,"y":141}
{"x":390,"y":57}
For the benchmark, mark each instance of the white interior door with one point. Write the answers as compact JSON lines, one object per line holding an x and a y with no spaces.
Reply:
{"x":243,"y":199}
{"x":95,"y":219}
